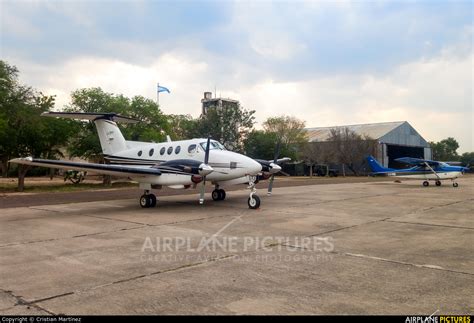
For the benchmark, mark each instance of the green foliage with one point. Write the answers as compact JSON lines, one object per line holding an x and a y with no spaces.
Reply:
{"x":260,"y":144}
{"x":467,"y":159}
{"x":228,"y":125}
{"x":287,"y":130}
{"x":23,"y":132}
{"x":153,"y":126}
{"x":182,"y":126}
{"x":445,"y":150}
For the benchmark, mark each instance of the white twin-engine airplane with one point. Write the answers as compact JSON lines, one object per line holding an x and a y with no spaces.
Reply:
{"x":176,"y":164}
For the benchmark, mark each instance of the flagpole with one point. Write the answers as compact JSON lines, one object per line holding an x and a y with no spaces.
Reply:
{"x":158,"y":94}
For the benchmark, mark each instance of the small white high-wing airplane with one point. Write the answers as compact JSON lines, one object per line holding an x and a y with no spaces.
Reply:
{"x":176,"y":164}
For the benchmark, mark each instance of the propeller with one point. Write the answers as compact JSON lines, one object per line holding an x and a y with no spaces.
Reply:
{"x":274,"y":167}
{"x":205,"y":166}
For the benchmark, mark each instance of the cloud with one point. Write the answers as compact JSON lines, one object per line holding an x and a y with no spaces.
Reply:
{"x":434,"y":95}
{"x":327,"y":63}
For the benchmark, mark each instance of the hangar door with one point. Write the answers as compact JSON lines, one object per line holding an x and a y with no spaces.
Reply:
{"x":394,"y":152}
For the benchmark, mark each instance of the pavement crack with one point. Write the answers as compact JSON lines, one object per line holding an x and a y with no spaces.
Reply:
{"x":169,"y":270}
{"x":432,"y":267}
{"x":430,"y":224}
{"x":20,"y":301}
{"x":43,"y":209}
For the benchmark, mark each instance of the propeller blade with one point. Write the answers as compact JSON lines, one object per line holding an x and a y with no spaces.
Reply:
{"x":277,"y":152}
{"x":270,"y":183}
{"x":203,"y":190}
{"x":208,"y":147}
{"x":206,"y":161}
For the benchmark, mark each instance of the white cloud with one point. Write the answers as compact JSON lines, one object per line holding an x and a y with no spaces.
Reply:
{"x":182,"y":76}
{"x":433,"y":94}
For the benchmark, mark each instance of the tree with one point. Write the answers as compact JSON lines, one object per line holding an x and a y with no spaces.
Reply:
{"x":467,"y":159}
{"x":154,"y":124}
{"x":445,"y":150}
{"x":350,"y":148}
{"x":229,"y":125}
{"x":182,"y":126}
{"x":314,"y":153}
{"x":260,"y":144}
{"x":23,"y":132}
{"x":289,"y":131}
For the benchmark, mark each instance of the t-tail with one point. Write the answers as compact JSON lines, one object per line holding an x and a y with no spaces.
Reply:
{"x":110,"y":136}
{"x":376,"y":167}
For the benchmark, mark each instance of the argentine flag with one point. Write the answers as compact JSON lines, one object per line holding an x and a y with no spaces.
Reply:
{"x":162,"y":89}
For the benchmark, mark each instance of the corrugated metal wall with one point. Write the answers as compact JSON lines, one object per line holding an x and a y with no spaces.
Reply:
{"x":404,"y":135}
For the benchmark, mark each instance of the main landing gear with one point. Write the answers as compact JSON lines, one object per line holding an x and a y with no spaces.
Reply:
{"x":455,"y":184}
{"x":426,"y":183}
{"x":218,"y":194}
{"x":438,"y":183}
{"x":253,"y":200}
{"x":147,"y":200}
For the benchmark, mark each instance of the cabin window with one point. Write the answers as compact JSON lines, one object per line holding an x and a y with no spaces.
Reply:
{"x":177,"y":150}
{"x":139,"y":153}
{"x":170,"y":150}
{"x":192,"y":149}
{"x":162,"y":150}
{"x":151,"y":152}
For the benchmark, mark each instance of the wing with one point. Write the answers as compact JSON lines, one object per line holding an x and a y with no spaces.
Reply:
{"x":417,"y":161}
{"x":117,"y":170}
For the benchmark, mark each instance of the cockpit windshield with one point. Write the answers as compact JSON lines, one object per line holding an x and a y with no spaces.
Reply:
{"x":214,"y":145}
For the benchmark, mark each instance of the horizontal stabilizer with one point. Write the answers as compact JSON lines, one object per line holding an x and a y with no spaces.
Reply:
{"x":91,"y":116}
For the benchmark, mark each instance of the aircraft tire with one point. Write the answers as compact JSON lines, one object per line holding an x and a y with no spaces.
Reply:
{"x":455,"y":184}
{"x":222,"y":195}
{"x":216,"y":195}
{"x":145,"y":201}
{"x":426,"y":183}
{"x":152,"y":198}
{"x":253,"y":202}
{"x":438,"y":183}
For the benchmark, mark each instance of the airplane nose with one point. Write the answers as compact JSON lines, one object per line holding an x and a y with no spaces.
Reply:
{"x":253,"y":167}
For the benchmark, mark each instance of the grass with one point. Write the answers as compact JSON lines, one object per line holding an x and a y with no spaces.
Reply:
{"x":32,"y":187}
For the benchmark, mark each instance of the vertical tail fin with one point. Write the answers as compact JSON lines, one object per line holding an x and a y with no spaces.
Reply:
{"x":111,"y":138}
{"x":375,"y":166}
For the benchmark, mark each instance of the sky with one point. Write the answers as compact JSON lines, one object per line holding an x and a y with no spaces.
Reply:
{"x":326,"y":62}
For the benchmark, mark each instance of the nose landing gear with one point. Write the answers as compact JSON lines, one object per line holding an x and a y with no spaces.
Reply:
{"x":253,"y":200}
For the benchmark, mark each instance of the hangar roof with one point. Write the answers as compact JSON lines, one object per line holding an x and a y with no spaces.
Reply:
{"x":373,"y":130}
{"x":398,"y":132}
